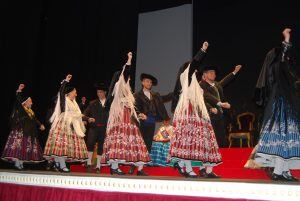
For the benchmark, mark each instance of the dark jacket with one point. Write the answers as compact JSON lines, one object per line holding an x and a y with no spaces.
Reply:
{"x":98,"y":112}
{"x":211,"y":96}
{"x":21,"y":120}
{"x":143,"y":104}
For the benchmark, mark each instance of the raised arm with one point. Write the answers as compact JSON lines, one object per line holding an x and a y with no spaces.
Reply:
{"x":18,"y":94}
{"x":230,"y":76}
{"x":288,"y":55}
{"x":17,"y":104}
{"x":194,"y":64}
{"x":128,"y":66}
{"x":115,"y":79}
{"x":177,"y":88}
{"x":62,"y":91}
{"x":198,"y":58}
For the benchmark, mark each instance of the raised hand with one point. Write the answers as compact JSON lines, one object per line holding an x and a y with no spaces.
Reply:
{"x":129,"y":58}
{"x":21,"y":87}
{"x":237,"y":68}
{"x":205,"y":46}
{"x":69,"y":77}
{"x":287,"y":34}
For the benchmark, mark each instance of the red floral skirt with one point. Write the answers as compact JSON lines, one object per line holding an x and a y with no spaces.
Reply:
{"x":124,"y":142}
{"x":194,"y":139}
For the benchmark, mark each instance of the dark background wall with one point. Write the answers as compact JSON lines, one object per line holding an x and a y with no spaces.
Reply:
{"x":242,"y":32}
{"x":43,"y":40}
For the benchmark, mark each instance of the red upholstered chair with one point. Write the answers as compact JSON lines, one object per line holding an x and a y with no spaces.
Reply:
{"x":245,"y":131}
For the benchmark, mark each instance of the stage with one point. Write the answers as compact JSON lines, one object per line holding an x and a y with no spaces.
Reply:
{"x":25,"y":185}
{"x":164,"y":183}
{"x":232,"y":167}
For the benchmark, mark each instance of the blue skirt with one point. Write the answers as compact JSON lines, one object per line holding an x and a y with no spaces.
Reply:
{"x":280,"y":136}
{"x":159,"y":153}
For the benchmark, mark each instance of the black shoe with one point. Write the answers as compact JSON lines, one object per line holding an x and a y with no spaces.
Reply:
{"x":180,"y":170}
{"x":116,"y":171}
{"x":188,"y":175}
{"x":212,"y":175}
{"x":269,"y":171}
{"x":89,"y":168}
{"x":202,"y":173}
{"x":131,"y":170}
{"x":289,"y":177}
{"x":98,"y":170}
{"x":19,"y":168}
{"x":49,"y":166}
{"x":141,"y":173}
{"x":56,"y":167}
{"x":276,"y":177}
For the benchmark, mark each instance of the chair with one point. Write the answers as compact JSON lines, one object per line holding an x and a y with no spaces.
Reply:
{"x":245,"y":129}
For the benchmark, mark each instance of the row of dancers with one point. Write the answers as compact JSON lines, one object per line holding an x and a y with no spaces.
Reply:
{"x":122,"y":123}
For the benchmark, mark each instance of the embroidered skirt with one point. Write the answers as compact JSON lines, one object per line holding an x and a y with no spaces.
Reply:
{"x":194,"y":139}
{"x":24,"y":148}
{"x":124,"y":142}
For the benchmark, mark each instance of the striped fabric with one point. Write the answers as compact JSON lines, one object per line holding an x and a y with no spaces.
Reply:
{"x":124,"y":142}
{"x":280,"y":136}
{"x":62,"y":143}
{"x":194,"y":140}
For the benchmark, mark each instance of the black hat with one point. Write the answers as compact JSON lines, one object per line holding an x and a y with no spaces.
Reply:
{"x":69,"y":88}
{"x":208,"y":68}
{"x":148,"y":76}
{"x":100,"y":86}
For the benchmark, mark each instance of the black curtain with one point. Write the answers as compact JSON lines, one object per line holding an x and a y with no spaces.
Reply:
{"x":43,"y":40}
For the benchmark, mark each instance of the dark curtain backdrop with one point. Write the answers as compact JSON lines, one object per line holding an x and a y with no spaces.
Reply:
{"x":43,"y":40}
{"x":242,"y":32}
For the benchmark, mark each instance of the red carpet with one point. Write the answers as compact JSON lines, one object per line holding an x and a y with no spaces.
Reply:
{"x":234,"y":160}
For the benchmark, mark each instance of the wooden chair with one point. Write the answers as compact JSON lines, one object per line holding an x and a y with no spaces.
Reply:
{"x":245,"y":129}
